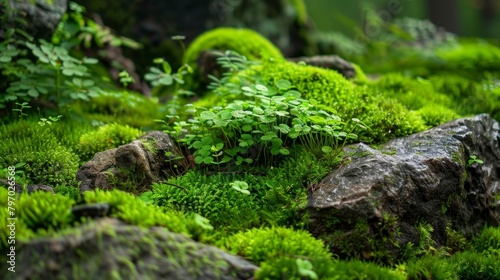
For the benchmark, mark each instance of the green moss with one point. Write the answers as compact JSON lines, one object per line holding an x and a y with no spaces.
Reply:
{"x":431,"y":267}
{"x":476,"y":266}
{"x":121,"y":107}
{"x":414,"y":93}
{"x":277,"y":196}
{"x":265,"y":244}
{"x":358,"y":240}
{"x":386,"y":118}
{"x":488,"y":240}
{"x":434,"y":114}
{"x":46,"y":159}
{"x":287,"y":254}
{"x":478,"y":56}
{"x":132,"y":210}
{"x":106,"y":137}
{"x":244,"y":41}
{"x":363,"y":270}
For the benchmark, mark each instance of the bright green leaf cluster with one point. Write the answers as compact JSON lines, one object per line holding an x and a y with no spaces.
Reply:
{"x":261,"y":126}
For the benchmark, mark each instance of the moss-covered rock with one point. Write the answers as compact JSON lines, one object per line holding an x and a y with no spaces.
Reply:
{"x":110,"y":249}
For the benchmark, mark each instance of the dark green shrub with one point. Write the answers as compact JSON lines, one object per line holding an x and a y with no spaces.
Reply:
{"x":46,"y":159}
{"x":430,"y":268}
{"x":386,"y":118}
{"x":476,"y":266}
{"x":106,"y":137}
{"x":488,"y":241}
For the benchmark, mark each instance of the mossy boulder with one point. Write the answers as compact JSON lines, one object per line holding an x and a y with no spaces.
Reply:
{"x":403,"y":198}
{"x":110,"y":249}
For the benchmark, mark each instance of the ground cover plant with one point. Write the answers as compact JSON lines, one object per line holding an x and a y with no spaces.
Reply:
{"x":258,"y":137}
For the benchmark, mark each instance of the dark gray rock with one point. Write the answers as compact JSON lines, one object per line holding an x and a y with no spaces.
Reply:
{"x":41,"y":16}
{"x":110,"y":249}
{"x":95,"y":172}
{"x":423,"y":178}
{"x":93,"y":210}
{"x":151,"y":158}
{"x":44,"y":188}
{"x":332,"y":62}
{"x":30,"y":188}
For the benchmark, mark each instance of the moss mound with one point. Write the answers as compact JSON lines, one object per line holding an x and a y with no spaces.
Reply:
{"x":244,"y":41}
{"x":106,"y":137}
{"x":386,"y":118}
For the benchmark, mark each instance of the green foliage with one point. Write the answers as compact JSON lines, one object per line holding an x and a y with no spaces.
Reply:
{"x":276,"y":195}
{"x":431,"y":267}
{"x":413,"y":92}
{"x":282,"y":253}
{"x":363,"y":270}
{"x":488,"y":241}
{"x":362,"y":241}
{"x":69,"y":191}
{"x":47,"y":160}
{"x":55,"y":74}
{"x":43,"y":210}
{"x":469,"y":96}
{"x":21,"y":231}
{"x":386,"y":118}
{"x":244,"y":41}
{"x":434,"y":114}
{"x":262,"y":126}
{"x":476,"y":266}
{"x":106,"y":137}
{"x":478,"y":57}
{"x":75,"y":30}
{"x":121,"y":107}
{"x":265,"y":244}
{"x":132,"y":210}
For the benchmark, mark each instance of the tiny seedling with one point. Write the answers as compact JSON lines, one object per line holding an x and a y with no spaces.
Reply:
{"x":474,"y":159}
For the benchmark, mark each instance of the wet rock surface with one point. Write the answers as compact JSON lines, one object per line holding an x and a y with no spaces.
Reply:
{"x":153,"y":157}
{"x":108,"y":248}
{"x":41,"y":17}
{"x":430,"y":177}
